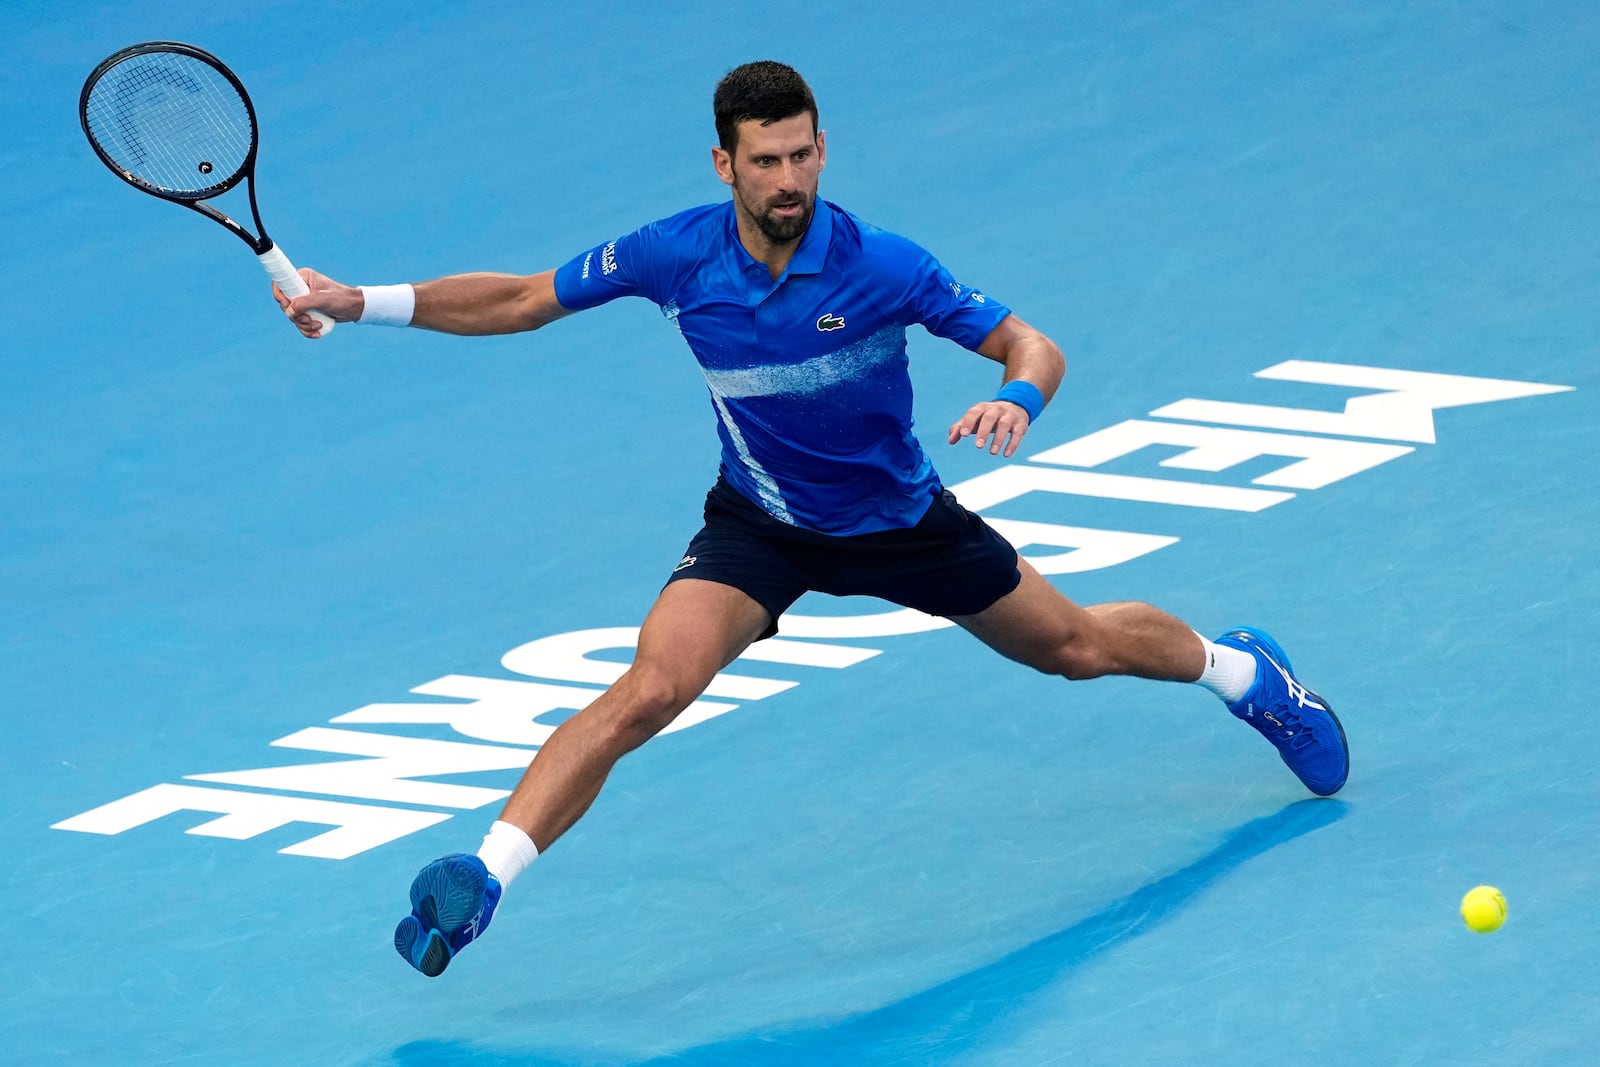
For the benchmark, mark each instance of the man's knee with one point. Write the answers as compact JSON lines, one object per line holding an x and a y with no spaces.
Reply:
{"x":1079,"y":660}
{"x":1077,"y":657}
{"x":651,"y":697}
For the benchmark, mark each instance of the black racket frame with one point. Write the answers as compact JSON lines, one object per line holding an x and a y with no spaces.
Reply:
{"x":195,"y":201}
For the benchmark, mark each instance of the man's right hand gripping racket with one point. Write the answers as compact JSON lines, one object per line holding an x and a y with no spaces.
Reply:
{"x":169,"y":119}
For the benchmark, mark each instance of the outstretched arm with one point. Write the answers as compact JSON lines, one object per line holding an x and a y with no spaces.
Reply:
{"x":1029,"y":357}
{"x":468,"y":304}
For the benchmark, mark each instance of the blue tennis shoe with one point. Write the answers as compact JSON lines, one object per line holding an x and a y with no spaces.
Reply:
{"x":452,"y":901}
{"x":1299,"y":723}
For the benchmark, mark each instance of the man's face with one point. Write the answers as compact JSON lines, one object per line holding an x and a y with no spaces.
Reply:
{"x":773,"y":172}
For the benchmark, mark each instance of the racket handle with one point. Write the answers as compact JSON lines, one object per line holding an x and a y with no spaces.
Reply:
{"x":290,"y":282}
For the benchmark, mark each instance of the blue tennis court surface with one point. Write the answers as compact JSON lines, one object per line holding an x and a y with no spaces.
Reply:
{"x":284,"y":620}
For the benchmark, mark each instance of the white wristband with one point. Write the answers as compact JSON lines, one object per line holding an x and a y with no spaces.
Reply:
{"x":388,"y":305}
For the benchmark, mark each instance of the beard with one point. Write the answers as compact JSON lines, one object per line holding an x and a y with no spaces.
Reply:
{"x":780,"y":230}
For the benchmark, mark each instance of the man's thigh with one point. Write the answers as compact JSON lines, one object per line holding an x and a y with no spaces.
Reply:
{"x":696,"y":628}
{"x":1032,"y":624}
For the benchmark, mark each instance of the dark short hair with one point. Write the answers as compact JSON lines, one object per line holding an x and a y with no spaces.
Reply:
{"x":765,"y":91}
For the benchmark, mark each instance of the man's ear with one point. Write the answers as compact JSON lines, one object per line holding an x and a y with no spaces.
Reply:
{"x":723,"y":162}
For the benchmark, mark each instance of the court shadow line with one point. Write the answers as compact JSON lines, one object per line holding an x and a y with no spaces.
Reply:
{"x":955,"y":1016}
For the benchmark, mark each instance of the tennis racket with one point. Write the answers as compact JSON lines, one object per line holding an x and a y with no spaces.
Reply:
{"x":172,"y":121}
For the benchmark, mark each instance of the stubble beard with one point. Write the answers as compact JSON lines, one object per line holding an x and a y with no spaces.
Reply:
{"x":780,"y":230}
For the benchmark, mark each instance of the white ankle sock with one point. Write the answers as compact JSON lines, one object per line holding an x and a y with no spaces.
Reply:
{"x":1229,"y":673}
{"x":506,"y":851}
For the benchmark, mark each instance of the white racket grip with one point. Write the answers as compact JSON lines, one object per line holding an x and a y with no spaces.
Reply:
{"x":289,"y":280}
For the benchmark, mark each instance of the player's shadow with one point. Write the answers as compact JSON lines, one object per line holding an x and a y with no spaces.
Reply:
{"x":953,"y":1017}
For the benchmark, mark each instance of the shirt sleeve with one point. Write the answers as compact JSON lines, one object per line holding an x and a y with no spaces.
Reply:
{"x":951,"y":309}
{"x":624,"y":267}
{"x":946,"y":307}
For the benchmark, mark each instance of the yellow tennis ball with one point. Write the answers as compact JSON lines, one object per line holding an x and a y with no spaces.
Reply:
{"x":1483,"y":909}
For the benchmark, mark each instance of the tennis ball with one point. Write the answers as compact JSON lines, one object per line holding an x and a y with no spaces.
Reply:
{"x":1483,"y":909}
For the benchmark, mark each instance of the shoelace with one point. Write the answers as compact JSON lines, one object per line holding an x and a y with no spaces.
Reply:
{"x":1292,"y":730}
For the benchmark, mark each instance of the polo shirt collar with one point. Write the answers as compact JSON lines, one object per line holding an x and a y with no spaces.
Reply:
{"x":813,"y":250}
{"x":812,"y":253}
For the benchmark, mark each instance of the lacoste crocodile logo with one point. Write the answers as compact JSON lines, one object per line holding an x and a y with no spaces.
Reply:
{"x":830,"y":322}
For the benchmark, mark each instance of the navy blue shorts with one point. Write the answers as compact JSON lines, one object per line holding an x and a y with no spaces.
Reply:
{"x":949,"y":563}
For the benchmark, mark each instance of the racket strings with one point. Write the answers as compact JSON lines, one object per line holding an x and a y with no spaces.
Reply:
{"x":172,"y":122}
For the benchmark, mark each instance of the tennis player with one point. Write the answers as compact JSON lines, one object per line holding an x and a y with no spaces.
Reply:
{"x":796,"y":311}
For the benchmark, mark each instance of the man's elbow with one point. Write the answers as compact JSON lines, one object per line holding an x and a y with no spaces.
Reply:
{"x":1050,"y":356}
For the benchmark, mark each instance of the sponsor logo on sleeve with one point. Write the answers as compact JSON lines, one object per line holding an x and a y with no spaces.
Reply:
{"x":830,"y":322}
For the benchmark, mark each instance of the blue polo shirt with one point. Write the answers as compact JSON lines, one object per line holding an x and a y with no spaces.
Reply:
{"x":807,"y":374}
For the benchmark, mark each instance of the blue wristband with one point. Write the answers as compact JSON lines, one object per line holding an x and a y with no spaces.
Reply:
{"x":1025,"y":395}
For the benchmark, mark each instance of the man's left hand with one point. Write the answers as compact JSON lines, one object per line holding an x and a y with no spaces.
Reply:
{"x":997,"y":425}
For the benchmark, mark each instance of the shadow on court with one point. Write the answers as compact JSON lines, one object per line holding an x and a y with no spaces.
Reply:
{"x":954,"y":1017}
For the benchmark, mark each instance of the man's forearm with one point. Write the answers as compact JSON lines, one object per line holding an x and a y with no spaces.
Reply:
{"x":1035,"y":359}
{"x":484,"y":303}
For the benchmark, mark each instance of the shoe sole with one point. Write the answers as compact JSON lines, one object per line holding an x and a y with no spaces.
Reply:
{"x":460,"y":886}
{"x":1276,"y":651}
{"x":435,"y":954}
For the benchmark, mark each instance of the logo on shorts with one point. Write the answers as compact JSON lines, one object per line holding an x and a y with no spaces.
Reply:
{"x":686,"y":561}
{"x":830,"y":322}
